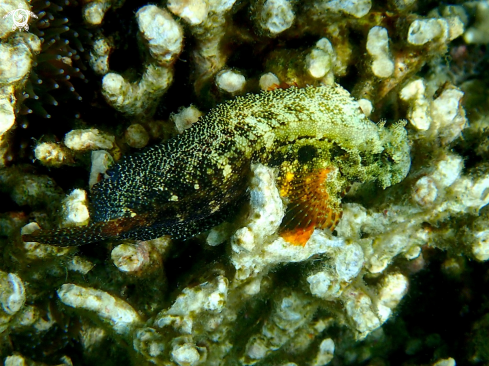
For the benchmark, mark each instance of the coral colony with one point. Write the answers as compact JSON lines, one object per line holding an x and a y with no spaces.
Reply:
{"x":215,"y":182}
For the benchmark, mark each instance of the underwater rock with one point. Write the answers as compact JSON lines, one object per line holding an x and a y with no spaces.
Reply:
{"x":117,"y":314}
{"x":163,"y":38}
{"x":378,"y":48}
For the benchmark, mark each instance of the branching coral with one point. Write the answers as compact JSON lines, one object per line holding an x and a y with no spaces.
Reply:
{"x":239,"y":293}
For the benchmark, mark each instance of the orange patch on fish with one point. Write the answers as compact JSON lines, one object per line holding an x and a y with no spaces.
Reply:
{"x":298,"y":236}
{"x":310,"y":207}
{"x":282,"y":85}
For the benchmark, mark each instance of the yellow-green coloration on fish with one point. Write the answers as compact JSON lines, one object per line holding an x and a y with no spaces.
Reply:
{"x":317,"y":137}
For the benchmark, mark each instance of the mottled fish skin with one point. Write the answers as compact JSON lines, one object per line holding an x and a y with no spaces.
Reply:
{"x":188,"y":184}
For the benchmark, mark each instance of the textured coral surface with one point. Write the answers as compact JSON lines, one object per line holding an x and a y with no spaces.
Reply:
{"x":400,"y":280}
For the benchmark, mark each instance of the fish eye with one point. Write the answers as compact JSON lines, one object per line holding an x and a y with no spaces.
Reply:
{"x":306,"y":153}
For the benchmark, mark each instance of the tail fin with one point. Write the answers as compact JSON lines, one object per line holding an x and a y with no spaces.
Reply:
{"x":66,"y":237}
{"x":81,"y":235}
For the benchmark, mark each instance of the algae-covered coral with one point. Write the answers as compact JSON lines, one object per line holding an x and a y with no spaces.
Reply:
{"x":240,"y":292}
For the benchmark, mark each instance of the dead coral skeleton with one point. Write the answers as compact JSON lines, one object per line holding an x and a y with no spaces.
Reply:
{"x":256,"y":301}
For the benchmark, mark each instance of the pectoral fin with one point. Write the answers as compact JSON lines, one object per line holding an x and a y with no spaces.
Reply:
{"x":313,"y":204}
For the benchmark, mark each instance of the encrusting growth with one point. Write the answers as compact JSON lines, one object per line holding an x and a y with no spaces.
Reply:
{"x":317,"y":138}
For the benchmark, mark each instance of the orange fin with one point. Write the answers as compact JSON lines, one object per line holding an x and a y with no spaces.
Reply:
{"x":297,"y":236}
{"x":311,"y":206}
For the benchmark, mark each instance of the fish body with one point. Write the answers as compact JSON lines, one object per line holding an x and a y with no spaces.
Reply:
{"x":317,"y":138}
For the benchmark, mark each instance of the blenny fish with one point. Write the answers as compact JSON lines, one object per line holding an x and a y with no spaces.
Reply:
{"x":317,"y":138}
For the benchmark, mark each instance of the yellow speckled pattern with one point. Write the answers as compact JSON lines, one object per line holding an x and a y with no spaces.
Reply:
{"x":188,"y":184}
